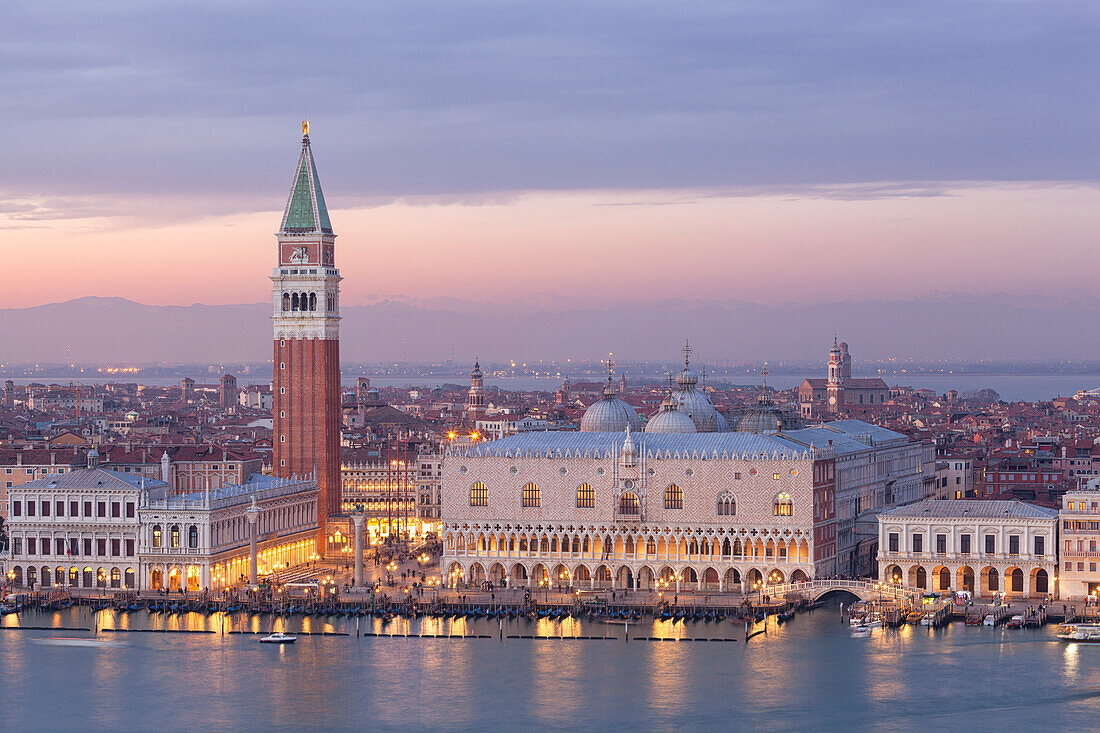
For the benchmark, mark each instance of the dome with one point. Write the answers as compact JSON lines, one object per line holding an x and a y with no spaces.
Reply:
{"x":670,"y":421}
{"x":687,"y":377}
{"x":610,"y":415}
{"x":695,"y":405}
{"x":723,"y":424}
{"x":763,"y":419}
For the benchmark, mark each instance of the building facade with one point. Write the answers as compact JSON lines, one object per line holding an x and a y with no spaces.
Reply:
{"x":204,"y":540}
{"x":306,"y":318}
{"x":719,"y":511}
{"x":101,"y":529}
{"x":23,"y":465}
{"x":1079,"y":554}
{"x":984,"y":547}
{"x":79,"y":529}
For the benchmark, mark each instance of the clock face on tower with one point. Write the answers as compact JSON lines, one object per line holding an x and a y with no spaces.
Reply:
{"x":832,"y":399}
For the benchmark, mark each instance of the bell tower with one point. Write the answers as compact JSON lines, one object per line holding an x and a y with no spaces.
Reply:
{"x":475,"y":399}
{"x":306,"y":319}
{"x":835,"y":385}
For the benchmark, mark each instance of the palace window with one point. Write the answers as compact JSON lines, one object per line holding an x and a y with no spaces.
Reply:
{"x":175,"y":535}
{"x":586,"y":497}
{"x":674,"y":497}
{"x":727,"y":505}
{"x":628,"y":503}
{"x":193,"y":536}
{"x":532,"y":495}
{"x":783,"y":506}
{"x":479,"y":494}
{"x":158,"y":537}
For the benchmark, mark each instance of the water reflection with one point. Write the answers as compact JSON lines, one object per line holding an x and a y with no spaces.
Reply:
{"x":806,"y":674}
{"x":1071,"y":661}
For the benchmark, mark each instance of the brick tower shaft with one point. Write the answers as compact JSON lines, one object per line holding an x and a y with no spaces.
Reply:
{"x":306,"y":319}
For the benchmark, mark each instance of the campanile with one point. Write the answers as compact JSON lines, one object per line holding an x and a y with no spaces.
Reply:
{"x":306,"y":318}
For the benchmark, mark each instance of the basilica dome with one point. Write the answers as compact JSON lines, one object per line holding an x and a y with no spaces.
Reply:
{"x":760,"y":420}
{"x":670,"y":419}
{"x":693,"y":402}
{"x":610,"y":415}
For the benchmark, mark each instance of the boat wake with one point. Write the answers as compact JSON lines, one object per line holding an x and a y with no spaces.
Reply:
{"x":77,"y":641}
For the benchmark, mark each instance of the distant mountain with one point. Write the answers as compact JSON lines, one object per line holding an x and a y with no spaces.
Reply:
{"x":951,"y":327}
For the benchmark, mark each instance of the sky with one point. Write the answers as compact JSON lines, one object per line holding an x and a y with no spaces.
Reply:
{"x":565,"y":151}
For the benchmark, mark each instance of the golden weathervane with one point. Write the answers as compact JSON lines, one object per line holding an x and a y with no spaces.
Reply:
{"x":305,"y":127}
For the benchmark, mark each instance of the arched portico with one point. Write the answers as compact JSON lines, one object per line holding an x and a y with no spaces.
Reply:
{"x":964,"y":579}
{"x":941,"y":579}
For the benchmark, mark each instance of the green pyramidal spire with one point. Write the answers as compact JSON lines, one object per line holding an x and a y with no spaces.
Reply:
{"x":306,"y":211}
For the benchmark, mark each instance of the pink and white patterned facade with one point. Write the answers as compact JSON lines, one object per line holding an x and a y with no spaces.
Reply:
{"x":707,"y":511}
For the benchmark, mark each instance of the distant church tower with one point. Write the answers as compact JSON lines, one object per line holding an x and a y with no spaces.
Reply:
{"x":835,"y":385}
{"x":306,"y":290}
{"x":475,"y":400}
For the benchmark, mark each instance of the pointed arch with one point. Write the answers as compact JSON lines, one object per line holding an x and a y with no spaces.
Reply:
{"x":628,"y":503}
{"x":532,"y":495}
{"x":674,"y":497}
{"x":479,"y":494}
{"x":586,"y":496}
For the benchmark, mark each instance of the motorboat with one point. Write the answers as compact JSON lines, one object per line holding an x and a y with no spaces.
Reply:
{"x":989,"y":620}
{"x":279,"y":638}
{"x":1089,"y":633}
{"x":861,"y":631}
{"x":1016,"y":622}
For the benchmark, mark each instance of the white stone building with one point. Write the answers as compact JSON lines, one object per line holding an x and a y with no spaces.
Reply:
{"x":719,"y":511}
{"x":204,"y":539}
{"x":79,"y":529}
{"x":98,"y":528}
{"x":980,"y":546}
{"x":876,"y":468}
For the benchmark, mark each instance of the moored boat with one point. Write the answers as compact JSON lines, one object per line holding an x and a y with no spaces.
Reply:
{"x":1088,"y":633}
{"x":279,"y":638}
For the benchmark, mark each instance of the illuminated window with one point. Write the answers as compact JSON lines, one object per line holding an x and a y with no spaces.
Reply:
{"x":175,"y":535}
{"x":586,"y":497}
{"x":628,"y":503}
{"x":158,"y":539}
{"x":674,"y":497}
{"x":479,"y":495}
{"x":532,"y":495}
{"x":783,"y":506}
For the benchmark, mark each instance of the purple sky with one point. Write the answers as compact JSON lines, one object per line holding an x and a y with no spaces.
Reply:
{"x":772,"y":151}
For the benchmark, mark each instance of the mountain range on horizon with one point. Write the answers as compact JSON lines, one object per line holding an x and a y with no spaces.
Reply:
{"x":116,"y":330}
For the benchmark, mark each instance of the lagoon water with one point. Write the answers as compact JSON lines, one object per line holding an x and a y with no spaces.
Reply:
{"x":808,"y":674}
{"x":1011,"y":387}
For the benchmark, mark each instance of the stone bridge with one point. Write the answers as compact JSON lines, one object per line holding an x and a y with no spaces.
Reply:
{"x":866,"y":590}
